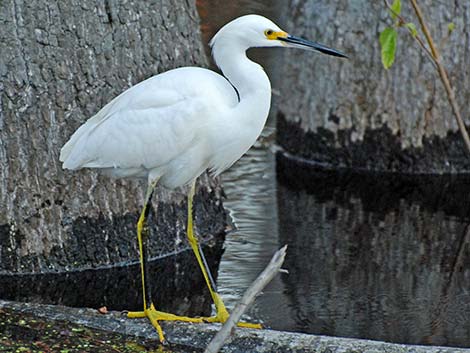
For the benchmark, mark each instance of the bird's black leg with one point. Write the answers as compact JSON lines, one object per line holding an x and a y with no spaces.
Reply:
{"x":145,"y":233}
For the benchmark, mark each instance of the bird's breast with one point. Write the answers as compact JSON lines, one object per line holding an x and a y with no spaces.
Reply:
{"x":231,"y":145}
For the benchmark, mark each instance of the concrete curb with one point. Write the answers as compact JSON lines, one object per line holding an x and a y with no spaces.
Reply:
{"x":199,"y":335}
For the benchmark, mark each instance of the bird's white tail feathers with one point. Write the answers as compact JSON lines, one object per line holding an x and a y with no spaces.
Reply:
{"x":70,"y":153}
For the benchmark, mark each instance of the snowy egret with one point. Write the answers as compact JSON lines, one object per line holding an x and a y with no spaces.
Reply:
{"x":173,"y":126}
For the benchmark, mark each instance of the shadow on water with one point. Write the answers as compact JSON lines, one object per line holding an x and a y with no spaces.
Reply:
{"x":376,"y":256}
{"x":177,"y":287}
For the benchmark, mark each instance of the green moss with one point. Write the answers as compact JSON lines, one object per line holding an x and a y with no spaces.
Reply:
{"x":25,"y":333}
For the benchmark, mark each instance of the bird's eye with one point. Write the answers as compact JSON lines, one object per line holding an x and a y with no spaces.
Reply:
{"x":268,"y":32}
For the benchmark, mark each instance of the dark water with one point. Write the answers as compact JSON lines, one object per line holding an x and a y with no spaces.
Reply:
{"x":370,"y":256}
{"x":377,"y":256}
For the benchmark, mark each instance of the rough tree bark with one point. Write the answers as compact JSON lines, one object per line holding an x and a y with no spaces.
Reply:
{"x":60,"y":62}
{"x":356,"y":114}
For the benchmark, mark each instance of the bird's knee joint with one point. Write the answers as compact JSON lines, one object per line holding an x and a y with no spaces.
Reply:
{"x":141,"y":227}
{"x":192,"y":240}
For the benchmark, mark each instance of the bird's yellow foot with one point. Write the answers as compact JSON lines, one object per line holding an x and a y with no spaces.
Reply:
{"x":223,"y":315}
{"x":155,"y":316}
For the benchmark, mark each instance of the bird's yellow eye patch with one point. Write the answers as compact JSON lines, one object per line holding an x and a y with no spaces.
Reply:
{"x":272,"y":35}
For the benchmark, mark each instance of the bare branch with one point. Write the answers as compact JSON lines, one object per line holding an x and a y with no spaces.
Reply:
{"x":442,"y":73}
{"x":256,"y":287}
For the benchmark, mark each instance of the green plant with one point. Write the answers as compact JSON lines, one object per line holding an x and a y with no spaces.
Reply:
{"x":388,"y":43}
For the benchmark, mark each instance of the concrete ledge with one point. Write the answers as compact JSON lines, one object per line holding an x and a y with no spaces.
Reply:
{"x":197,"y":336}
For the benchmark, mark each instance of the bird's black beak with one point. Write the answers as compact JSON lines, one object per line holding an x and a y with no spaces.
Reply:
{"x":297,"y":42}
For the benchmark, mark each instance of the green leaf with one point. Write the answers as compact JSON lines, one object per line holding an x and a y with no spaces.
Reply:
{"x":396,"y":9}
{"x":388,"y":44}
{"x":451,"y":27}
{"x":411,"y":26}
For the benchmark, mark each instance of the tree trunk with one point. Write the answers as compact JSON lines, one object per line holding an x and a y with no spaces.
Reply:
{"x":60,"y":63}
{"x":354,"y":113}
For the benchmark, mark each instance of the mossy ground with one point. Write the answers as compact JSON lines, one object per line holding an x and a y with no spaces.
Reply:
{"x":25,"y":333}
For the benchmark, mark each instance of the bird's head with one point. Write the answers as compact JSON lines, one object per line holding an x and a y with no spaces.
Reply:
{"x":258,"y":31}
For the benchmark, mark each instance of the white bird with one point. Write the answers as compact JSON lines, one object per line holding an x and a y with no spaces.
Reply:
{"x":173,"y":126}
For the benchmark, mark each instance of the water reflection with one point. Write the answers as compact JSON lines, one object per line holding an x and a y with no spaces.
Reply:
{"x":250,"y":187}
{"x":376,"y":257}
{"x":250,"y":183}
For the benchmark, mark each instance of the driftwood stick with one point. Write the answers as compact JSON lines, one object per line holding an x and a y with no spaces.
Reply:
{"x":256,"y":287}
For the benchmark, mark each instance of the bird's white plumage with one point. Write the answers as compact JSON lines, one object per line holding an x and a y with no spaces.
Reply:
{"x":157,"y":125}
{"x":176,"y":124}
{"x":173,"y":126}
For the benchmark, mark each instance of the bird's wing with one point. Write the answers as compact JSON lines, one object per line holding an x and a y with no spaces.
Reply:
{"x":150,"y":123}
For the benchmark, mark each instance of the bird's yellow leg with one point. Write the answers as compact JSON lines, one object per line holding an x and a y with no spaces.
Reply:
{"x":222,"y":313}
{"x":149,"y":309}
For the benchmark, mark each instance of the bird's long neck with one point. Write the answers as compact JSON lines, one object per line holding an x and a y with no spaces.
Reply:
{"x":248,"y":78}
